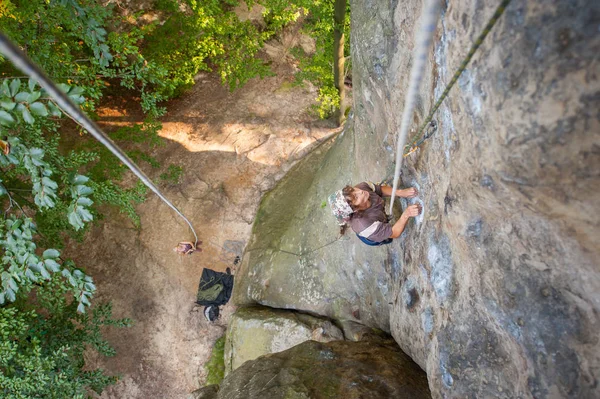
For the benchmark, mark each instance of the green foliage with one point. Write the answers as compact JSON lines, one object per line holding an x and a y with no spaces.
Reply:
{"x":215,"y":366}
{"x":47,"y":191}
{"x":329,"y":101}
{"x":108,"y":192}
{"x":28,"y":166}
{"x":318,"y":67}
{"x":203,"y":36}
{"x":70,"y":40}
{"x":41,"y":350}
{"x":173,"y":174}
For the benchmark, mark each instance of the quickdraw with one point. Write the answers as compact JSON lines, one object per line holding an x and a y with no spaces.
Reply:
{"x":430,"y":131}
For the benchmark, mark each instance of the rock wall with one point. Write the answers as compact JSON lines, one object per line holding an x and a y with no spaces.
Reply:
{"x":494,"y":290}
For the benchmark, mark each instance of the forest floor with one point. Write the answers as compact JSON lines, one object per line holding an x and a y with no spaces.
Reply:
{"x":233,"y":147}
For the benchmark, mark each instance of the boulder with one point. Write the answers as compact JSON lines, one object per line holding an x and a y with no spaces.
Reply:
{"x":339,"y":369}
{"x":257,"y":331}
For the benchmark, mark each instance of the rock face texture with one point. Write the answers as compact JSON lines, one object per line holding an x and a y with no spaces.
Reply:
{"x":257,"y":331}
{"x":495,"y":289}
{"x":314,"y":370}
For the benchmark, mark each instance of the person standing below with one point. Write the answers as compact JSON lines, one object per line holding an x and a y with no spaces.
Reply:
{"x":362,"y":207}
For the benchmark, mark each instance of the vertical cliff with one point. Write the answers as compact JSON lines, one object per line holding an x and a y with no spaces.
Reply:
{"x":494,"y":290}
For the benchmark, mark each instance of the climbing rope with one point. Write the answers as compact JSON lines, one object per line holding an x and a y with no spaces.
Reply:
{"x":423,"y":42}
{"x":22,"y":62}
{"x":416,"y":142}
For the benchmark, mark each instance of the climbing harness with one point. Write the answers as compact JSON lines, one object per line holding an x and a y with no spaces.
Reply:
{"x":425,"y":35}
{"x":416,"y":142}
{"x":423,"y":41}
{"x":22,"y":62}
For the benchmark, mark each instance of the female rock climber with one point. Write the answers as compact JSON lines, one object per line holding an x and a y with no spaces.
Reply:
{"x":361,"y":207}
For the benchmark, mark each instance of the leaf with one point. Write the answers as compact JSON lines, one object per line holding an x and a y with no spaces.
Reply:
{"x":76,"y":91}
{"x":22,"y":97}
{"x":51,"y":253}
{"x":84,"y":190}
{"x":13,"y":284}
{"x":85,"y":301}
{"x":5,"y":277}
{"x":6,"y":119}
{"x":29,"y":274}
{"x":27,"y":116}
{"x":37,"y":267}
{"x":4,"y":90}
{"x":84,"y":201}
{"x":49,"y":183}
{"x":48,"y":202}
{"x":65,"y":88}
{"x":75,"y":220}
{"x":80,"y":179}
{"x":10,"y":295}
{"x":52,"y":265}
{"x":8,"y":105}
{"x":31,"y":84}
{"x":45,"y":273}
{"x":54,"y":110}
{"x":38,"y":162}
{"x":90,"y":287}
{"x":17,"y":223}
{"x":77,"y":99}
{"x":84,"y":214}
{"x":2,"y":298}
{"x":101,"y":31}
{"x":33,"y":97}
{"x":66,"y":273}
{"x":81,"y":308}
{"x":3,"y":191}
{"x":72,"y":281}
{"x":14,"y":87}
{"x":36,"y":153}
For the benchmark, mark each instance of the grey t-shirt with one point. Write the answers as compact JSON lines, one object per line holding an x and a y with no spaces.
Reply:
{"x":372,"y":222}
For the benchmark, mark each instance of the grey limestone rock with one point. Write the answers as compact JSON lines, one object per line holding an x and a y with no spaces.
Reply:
{"x":495,"y":290}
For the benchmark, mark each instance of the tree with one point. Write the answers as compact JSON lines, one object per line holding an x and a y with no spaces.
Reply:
{"x":339,"y":18}
{"x":327,"y":22}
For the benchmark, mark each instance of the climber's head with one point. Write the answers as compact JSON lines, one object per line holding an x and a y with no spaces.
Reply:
{"x":356,"y":198}
{"x":347,"y":201}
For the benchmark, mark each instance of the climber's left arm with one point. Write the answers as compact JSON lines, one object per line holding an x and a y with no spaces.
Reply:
{"x":410,"y":192}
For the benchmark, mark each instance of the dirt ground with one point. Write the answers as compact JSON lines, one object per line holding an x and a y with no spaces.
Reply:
{"x":233,"y":147}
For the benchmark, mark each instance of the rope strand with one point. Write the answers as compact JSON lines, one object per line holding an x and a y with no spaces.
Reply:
{"x":22,"y":62}
{"x":424,"y":38}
